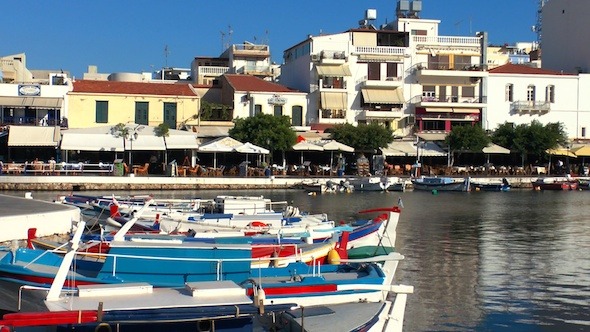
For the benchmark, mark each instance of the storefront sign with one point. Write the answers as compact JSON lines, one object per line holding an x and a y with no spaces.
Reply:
{"x":29,"y":90}
{"x":277,"y":100}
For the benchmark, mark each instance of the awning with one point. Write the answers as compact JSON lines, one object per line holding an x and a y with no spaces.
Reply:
{"x":147,"y":142}
{"x":432,"y":136}
{"x":78,"y":139}
{"x":408,"y":149}
{"x":465,"y":110}
{"x":332,"y":145}
{"x":251,"y":148}
{"x":399,"y":149}
{"x":438,"y":109}
{"x":33,"y":136}
{"x":383,"y":96}
{"x":333,"y":71}
{"x":40,"y":102}
{"x":333,"y":100}
{"x":182,"y":140}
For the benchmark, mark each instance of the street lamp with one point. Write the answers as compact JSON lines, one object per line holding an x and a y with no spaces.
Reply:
{"x":132,"y":136}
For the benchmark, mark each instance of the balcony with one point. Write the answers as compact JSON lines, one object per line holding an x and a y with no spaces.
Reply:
{"x":212,"y":71}
{"x":444,"y":73}
{"x":531,"y":107}
{"x":388,"y":83}
{"x":380,"y":53}
{"x":448,"y":116}
{"x":376,"y":114}
{"x":448,"y":44}
{"x":255,"y":70}
{"x":450,"y":102}
{"x":251,"y":50}
{"x":333,"y":114}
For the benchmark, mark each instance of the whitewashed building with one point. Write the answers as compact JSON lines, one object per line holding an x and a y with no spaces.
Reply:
{"x":519,"y":94}
{"x":403,"y":75}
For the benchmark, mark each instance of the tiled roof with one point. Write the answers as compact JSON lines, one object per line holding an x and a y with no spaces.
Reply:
{"x":134,"y":88}
{"x":522,"y":69}
{"x":252,"y":83}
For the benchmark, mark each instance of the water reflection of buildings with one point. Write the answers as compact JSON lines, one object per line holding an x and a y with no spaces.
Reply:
{"x":443,"y":260}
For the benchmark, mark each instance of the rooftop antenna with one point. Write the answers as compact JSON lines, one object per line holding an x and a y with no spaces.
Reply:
{"x":222,"y":41}
{"x":166,"y":53}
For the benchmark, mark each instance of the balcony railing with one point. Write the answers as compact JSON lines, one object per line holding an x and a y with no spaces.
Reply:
{"x":449,"y":99}
{"x":380,"y":50}
{"x":333,"y":114}
{"x":251,"y":47}
{"x":253,"y":70}
{"x":213,"y":70}
{"x":448,"y":66}
{"x":532,"y":106}
{"x":449,"y":116}
{"x":447,"y":40}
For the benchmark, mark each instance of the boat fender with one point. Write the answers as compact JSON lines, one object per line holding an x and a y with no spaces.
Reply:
{"x":259,"y":298}
{"x":333,"y":257}
{"x":102,"y":327}
{"x":258,"y":224}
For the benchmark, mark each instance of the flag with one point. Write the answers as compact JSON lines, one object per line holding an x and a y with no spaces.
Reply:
{"x":400,"y":203}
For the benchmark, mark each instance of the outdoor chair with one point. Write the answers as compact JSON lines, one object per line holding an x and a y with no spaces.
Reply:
{"x":142,"y":170}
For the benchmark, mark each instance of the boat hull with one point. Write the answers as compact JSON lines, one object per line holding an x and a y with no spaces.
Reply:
{"x":441,"y":184}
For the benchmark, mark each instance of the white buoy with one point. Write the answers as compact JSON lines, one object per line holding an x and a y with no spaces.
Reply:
{"x":29,"y":195}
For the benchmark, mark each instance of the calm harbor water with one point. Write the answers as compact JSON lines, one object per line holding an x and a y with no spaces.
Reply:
{"x":480,"y":261}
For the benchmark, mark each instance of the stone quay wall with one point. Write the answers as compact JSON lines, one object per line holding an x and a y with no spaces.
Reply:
{"x":108,"y":183}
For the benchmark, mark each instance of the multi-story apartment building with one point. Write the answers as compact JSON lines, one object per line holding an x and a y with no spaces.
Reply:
{"x":246,"y":58}
{"x":403,"y":75}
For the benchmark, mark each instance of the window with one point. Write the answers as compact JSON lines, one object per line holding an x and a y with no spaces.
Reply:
{"x":374,"y":73}
{"x":297,"y":116}
{"x":278,"y":110}
{"x":141,"y":112}
{"x":257,"y":109}
{"x":509,"y":94}
{"x":550,"y":94}
{"x":530,"y":93}
{"x":170,"y":115}
{"x":391,"y":70}
{"x":102,"y":111}
{"x":583,"y":131}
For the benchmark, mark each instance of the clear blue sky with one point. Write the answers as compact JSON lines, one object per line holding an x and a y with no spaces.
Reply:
{"x":130,"y":35}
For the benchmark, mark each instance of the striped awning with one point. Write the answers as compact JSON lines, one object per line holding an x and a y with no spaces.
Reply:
{"x":333,"y":100}
{"x":383,"y":96}
{"x":33,"y":136}
{"x":333,"y":70}
{"x":39,"y":102}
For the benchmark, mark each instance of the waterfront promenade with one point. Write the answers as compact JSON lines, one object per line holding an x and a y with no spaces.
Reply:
{"x":109,"y":182}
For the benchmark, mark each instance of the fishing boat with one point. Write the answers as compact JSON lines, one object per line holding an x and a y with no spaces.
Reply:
{"x":185,"y":262}
{"x":556,"y":183}
{"x":327,"y":187}
{"x":442,"y":183}
{"x":217,"y":304}
{"x":378,"y":183}
{"x":504,"y":185}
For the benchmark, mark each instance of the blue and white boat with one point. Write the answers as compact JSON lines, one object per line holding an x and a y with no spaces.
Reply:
{"x":222,"y":304}
{"x":442,"y":183}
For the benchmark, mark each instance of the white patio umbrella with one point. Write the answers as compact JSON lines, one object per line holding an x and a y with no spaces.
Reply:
{"x":306,"y":146}
{"x":222,"y":144}
{"x":249,"y":148}
{"x":494,"y":149}
{"x":333,"y":145}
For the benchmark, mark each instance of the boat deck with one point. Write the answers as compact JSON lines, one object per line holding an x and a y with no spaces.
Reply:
{"x":19,"y":214}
